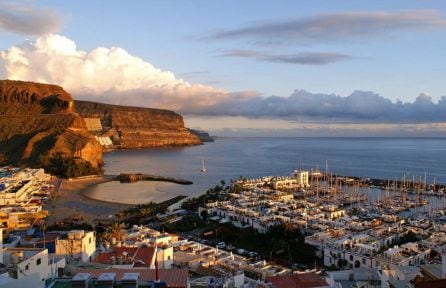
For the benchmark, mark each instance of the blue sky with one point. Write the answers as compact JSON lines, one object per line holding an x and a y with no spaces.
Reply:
{"x":183,"y":37}
{"x":400,"y":65}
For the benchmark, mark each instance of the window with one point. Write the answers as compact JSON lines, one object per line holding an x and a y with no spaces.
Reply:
{"x":38,"y":261}
{"x":89,"y":240}
{"x":168,"y":257}
{"x":27,"y":267}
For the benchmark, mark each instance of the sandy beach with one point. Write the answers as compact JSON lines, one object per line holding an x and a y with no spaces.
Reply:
{"x":135,"y":193}
{"x":71,"y":201}
{"x":97,"y":198}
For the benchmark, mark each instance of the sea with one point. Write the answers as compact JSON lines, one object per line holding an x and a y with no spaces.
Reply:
{"x":230,"y":158}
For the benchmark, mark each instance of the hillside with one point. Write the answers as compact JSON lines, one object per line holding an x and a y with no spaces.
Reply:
{"x":25,"y":98}
{"x":38,"y":127}
{"x":42,"y":126}
{"x":135,"y":127}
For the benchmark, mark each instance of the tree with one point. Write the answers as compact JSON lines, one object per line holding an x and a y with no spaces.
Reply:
{"x":120,"y":215}
{"x":204,"y":214}
{"x":409,"y":237}
{"x":114,"y":231}
{"x":145,"y":212}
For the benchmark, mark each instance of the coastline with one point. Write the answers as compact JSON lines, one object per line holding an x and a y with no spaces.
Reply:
{"x":76,"y":198}
{"x":141,"y":192}
{"x":71,"y":202}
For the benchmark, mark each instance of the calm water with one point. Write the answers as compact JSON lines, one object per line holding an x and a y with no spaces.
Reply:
{"x":229,"y":158}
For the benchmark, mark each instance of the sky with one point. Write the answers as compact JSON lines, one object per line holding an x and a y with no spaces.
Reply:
{"x":268,"y":68}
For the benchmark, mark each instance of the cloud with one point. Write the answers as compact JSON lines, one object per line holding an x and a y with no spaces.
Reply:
{"x":106,"y":74}
{"x":27,"y":20}
{"x":359,"y":107}
{"x":241,"y":126}
{"x":334,"y":27}
{"x":340,"y":130}
{"x":112,"y":75}
{"x":304,"y":58}
{"x":240,"y":53}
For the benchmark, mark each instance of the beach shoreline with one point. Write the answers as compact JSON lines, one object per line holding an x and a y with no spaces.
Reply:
{"x":142,"y":192}
{"x":70,"y":201}
{"x":76,"y":199}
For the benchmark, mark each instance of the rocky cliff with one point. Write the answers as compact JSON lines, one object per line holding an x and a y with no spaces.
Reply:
{"x":41,"y":125}
{"x":203,"y":135}
{"x":135,"y":127}
{"x":25,"y":98}
{"x":38,"y":127}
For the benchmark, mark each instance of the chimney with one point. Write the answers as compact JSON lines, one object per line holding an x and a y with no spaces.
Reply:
{"x":81,"y":280}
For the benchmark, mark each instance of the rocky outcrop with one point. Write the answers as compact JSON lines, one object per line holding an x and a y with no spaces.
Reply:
{"x":135,"y":177}
{"x":38,"y":127}
{"x":135,"y":127}
{"x":41,"y":125}
{"x":25,"y":98}
{"x":203,"y":135}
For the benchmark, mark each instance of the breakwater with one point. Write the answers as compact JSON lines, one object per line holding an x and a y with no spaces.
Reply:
{"x":135,"y":177}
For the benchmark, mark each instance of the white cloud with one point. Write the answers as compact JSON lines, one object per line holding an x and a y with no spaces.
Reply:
{"x":105,"y":74}
{"x":112,"y":75}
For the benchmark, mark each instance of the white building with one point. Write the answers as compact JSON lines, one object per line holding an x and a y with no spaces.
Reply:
{"x":398,"y":276}
{"x":28,"y":267}
{"x":17,"y":193}
{"x":302,"y":178}
{"x":78,"y":245}
{"x":299,"y":179}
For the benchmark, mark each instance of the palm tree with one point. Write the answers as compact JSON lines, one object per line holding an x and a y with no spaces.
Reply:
{"x":115,"y":230}
{"x":145,"y":212}
{"x":120,"y":215}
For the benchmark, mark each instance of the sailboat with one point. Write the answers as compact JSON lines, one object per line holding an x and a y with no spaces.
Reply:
{"x":203,"y":169}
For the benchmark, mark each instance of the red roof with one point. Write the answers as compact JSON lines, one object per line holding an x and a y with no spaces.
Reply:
{"x":174,"y":278}
{"x":142,"y":256}
{"x":304,"y":280}
{"x":440,"y":283}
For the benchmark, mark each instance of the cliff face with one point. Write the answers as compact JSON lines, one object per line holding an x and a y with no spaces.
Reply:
{"x":24,"y":98}
{"x":38,"y":126}
{"x":134,"y":127}
{"x":203,"y":135}
{"x":41,"y":125}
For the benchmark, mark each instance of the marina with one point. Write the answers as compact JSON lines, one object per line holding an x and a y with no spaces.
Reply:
{"x":369,"y":225}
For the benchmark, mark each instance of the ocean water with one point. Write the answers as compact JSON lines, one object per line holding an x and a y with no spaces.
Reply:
{"x":229,"y":158}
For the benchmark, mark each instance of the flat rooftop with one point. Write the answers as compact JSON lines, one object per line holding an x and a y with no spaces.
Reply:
{"x":27,"y":253}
